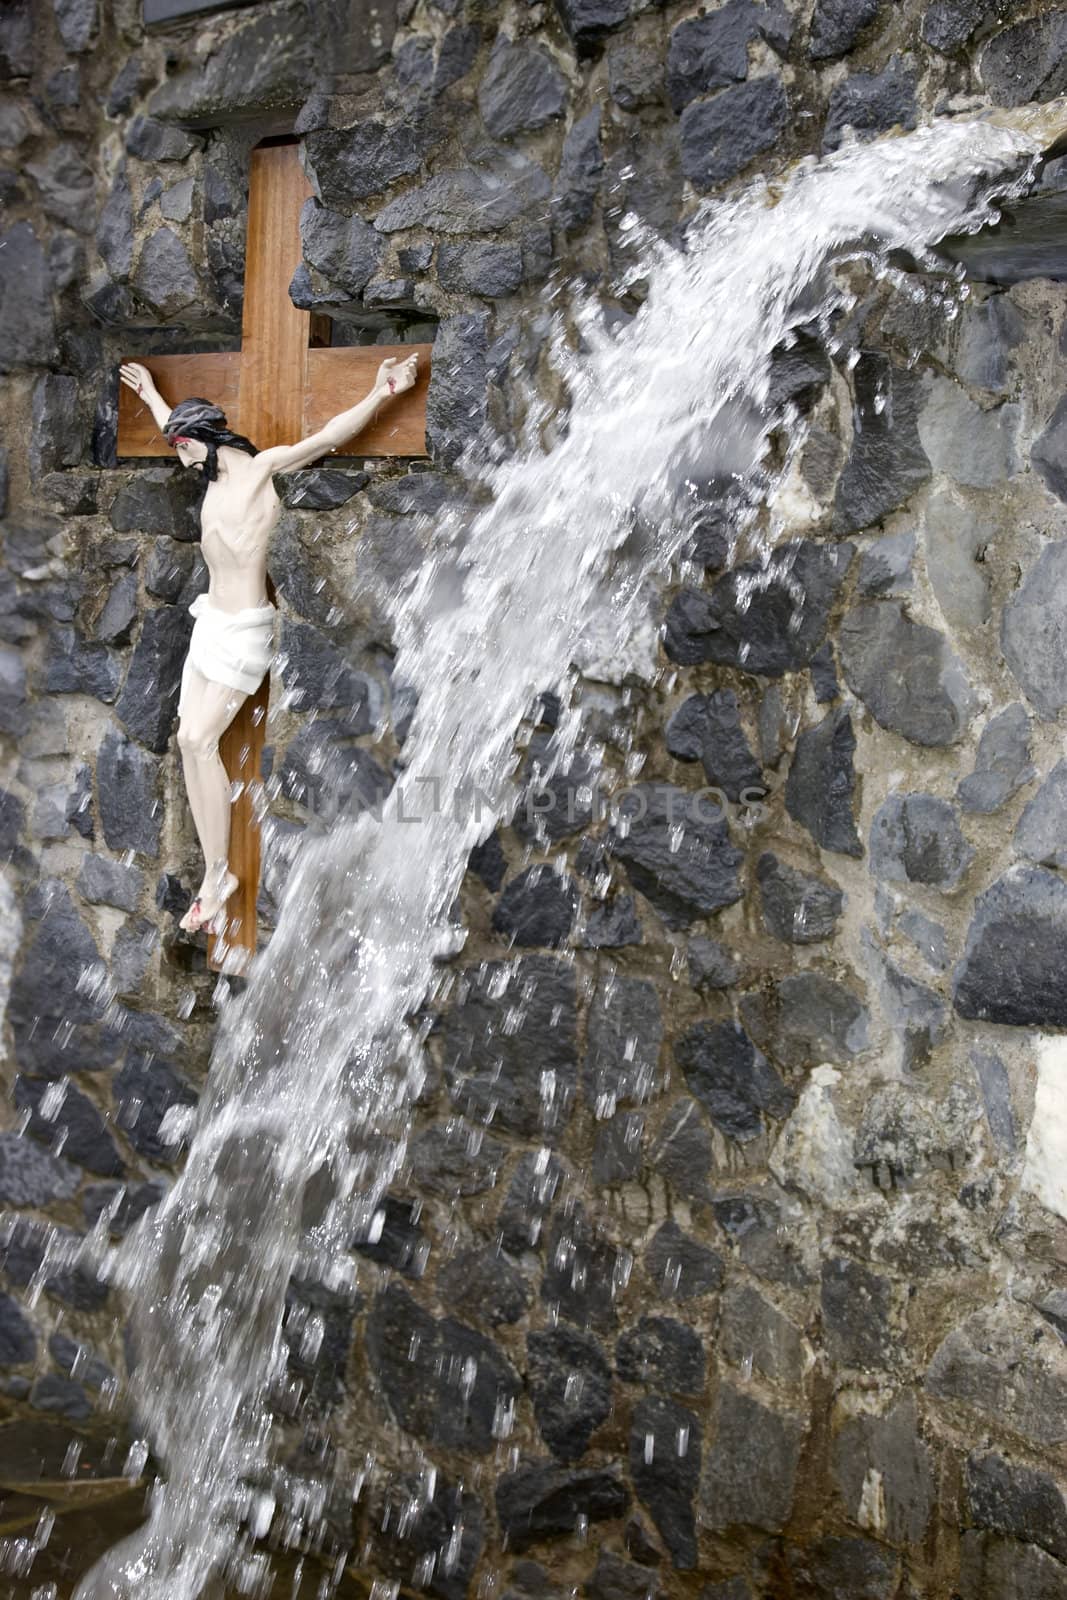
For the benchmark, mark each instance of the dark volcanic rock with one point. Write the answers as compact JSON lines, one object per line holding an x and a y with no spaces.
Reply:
{"x":77,"y":1124}
{"x":821,"y":784}
{"x":665,"y":1455}
{"x":522,"y":89}
{"x":806,"y":1019}
{"x":1041,"y":832}
{"x":837,"y":24}
{"x":127,"y":781}
{"x":489,"y":270}
{"x":580,"y":171}
{"x":797,"y":906}
{"x":583,"y":1270}
{"x":537,"y":908}
{"x":768,"y":618}
{"x":345,"y":249}
{"x":159,"y":501}
{"x":18,"y":1342}
{"x":709,"y":52}
{"x":541,"y":1501}
{"x":1034,"y":643}
{"x":917,"y":838}
{"x":587,"y":21}
{"x":502,"y":1051}
{"x":624,"y":1032}
{"x":1017,"y":1501}
{"x":891,"y":1446}
{"x":680,"y":858}
{"x":56,"y":439}
{"x":150,"y":140}
{"x":662,"y":1354}
{"x":149,"y":700}
{"x":267,"y":62}
{"x":887,"y":462}
{"x":496,"y":188}
{"x":351,"y":163}
{"x":1027,"y":62}
{"x":443,"y":1532}
{"x":905,"y":673}
{"x":1002,"y":763}
{"x":856,"y":1312}
{"x":731,"y":1078}
{"x":27,"y":322}
{"x":871,"y":103}
{"x":721,"y":136}
{"x":77,"y":666}
{"x":707,"y":728}
{"x":452,"y":1158}
{"x":530,"y":1195}
{"x":423,"y":1366}
{"x":681,"y":1268}
{"x":320,"y":488}
{"x":29,"y":1176}
{"x":683,"y":1152}
{"x":328,"y":774}
{"x":1016,"y":946}
{"x":456,"y":399}
{"x":317,"y":674}
{"x":45,"y":996}
{"x":846,"y":1566}
{"x":484,"y":1285}
{"x":570,"y":1385}
{"x":145,"y":1090}
{"x":751,"y":1464}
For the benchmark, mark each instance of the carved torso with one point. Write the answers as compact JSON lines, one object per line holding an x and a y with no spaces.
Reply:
{"x":237,"y":517}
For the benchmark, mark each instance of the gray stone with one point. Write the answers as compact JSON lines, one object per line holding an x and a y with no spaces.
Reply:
{"x":327,"y":774}
{"x":65,"y":184}
{"x":127,"y":782}
{"x":1017,"y":1501}
{"x":145,"y":1089}
{"x":610,"y":926}
{"x":886,"y":463}
{"x":837,"y":24}
{"x":485,"y":1286}
{"x":540,"y":1500}
{"x":722,"y":136}
{"x":1002,"y":1569}
{"x":711,"y":965}
{"x":1046,"y":453}
{"x":905,"y":673}
{"x":27,"y":321}
{"x":995,"y":1085}
{"x":680,"y":1267}
{"x":635,"y":74}
{"x":871,"y":103}
{"x":751,"y":1464}
{"x":890,"y":1447}
{"x":756,"y":1337}
{"x":164,"y":277}
{"x":582,"y":1275}
{"x":1028,"y":61}
{"x":916,"y":838}
{"x":662,"y":1354}
{"x":822,"y":781}
{"x":29,"y":1176}
{"x":150,"y":140}
{"x":731,"y":1078}
{"x":707,"y":728}
{"x":1032,"y":640}
{"x":442,"y":1531}
{"x":149,"y":700}
{"x":1002,"y":764}
{"x":18,"y":1342}
{"x":345,"y":249}
{"x":570,"y":1385}
{"x":503,"y":1071}
{"x":320,"y":489}
{"x":110,"y":883}
{"x":1013,"y":959}
{"x":497,"y":187}
{"x":857,"y":1321}
{"x":916,"y":1013}
{"x":886,"y":567}
{"x":642,"y":178}
{"x":948,"y":24}
{"x":351,"y":163}
{"x":764,"y":1240}
{"x":45,"y":999}
{"x":76,"y":666}
{"x":17,"y":37}
{"x":77,"y":1126}
{"x":683,"y":1152}
{"x":522,"y":89}
{"x":624,"y":1032}
{"x":77,"y":23}
{"x":847,"y":1568}
{"x":966,"y":443}
{"x":537,"y":908}
{"x":617,"y":1154}
{"x":114,"y":232}
{"x":452,"y":1158}
{"x":688,"y":875}
{"x":1041,"y":832}
{"x":805,"y":1020}
{"x":131,"y":954}
{"x":1005,"y":1363}
{"x":14,"y":715}
{"x":318,"y":675}
{"x":709,"y":52}
{"x":797,"y":906}
{"x":490,"y":270}
{"x":177,"y":204}
{"x":665,"y":1453}
{"x":266,"y":63}
{"x":587,"y":21}
{"x":422,"y":1365}
{"x":991,"y":330}
{"x":115,"y":622}
{"x":62,"y":1396}
{"x":456,"y":398}
{"x":529,"y":1199}
{"x":159,"y":502}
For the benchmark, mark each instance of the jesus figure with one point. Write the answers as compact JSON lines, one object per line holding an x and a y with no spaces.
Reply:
{"x":232,"y":640}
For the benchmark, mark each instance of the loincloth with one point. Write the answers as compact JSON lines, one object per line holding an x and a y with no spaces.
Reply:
{"x":230,"y":647}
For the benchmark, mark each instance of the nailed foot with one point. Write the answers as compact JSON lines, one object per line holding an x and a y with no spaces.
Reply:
{"x":214,"y":892}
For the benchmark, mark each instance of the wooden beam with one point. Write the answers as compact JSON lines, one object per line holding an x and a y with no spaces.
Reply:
{"x":338,"y":378}
{"x":214,"y":376}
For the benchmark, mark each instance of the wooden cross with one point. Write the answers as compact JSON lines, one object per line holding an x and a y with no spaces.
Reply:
{"x":275,"y":390}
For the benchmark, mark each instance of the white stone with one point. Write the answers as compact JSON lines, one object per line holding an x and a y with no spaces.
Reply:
{"x":814,"y":1151}
{"x":1045,"y":1167}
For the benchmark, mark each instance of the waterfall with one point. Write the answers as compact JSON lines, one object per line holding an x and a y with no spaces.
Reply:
{"x":316,"y":1064}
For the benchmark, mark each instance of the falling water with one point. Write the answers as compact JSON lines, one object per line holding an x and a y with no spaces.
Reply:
{"x":315,"y":1066}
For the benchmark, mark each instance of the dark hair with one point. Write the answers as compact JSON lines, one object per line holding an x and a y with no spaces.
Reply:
{"x":199,"y":419}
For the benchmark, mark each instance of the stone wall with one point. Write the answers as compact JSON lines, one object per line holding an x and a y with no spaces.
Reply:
{"x":770,"y":1302}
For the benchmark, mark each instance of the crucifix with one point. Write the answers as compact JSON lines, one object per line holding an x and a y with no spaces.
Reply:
{"x":283,"y":385}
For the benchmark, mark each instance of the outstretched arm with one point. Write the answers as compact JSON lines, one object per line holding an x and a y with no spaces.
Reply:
{"x":394,"y":377}
{"x":139,"y":379}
